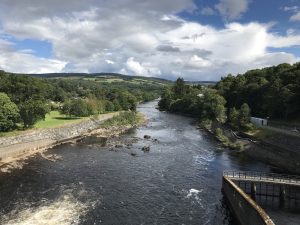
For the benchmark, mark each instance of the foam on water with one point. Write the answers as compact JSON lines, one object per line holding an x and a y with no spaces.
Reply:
{"x":64,"y":211}
{"x":194,"y":193}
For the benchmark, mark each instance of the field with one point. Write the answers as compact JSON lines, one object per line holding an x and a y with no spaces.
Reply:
{"x":55,"y":119}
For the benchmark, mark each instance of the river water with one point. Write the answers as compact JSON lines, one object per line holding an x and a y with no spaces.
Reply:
{"x":177,"y":182}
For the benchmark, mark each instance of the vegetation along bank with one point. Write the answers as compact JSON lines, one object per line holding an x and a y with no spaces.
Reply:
{"x":225,"y":109}
{"x":39,"y":112}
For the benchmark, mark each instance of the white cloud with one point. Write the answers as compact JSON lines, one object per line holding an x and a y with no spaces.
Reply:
{"x":290,"y":8}
{"x":232,"y":9}
{"x":295,"y":17}
{"x":23,"y":61}
{"x":136,"y":67}
{"x":137,"y":37}
{"x":109,"y":62}
{"x":197,"y":62}
{"x":207,"y":11}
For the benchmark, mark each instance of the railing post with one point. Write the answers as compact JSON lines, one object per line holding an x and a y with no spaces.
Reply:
{"x":253,"y":191}
{"x":282,"y":196}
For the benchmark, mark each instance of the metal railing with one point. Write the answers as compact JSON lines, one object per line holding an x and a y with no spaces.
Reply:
{"x":262,"y":176}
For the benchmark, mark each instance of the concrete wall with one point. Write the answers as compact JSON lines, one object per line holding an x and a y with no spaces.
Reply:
{"x":246,"y":211}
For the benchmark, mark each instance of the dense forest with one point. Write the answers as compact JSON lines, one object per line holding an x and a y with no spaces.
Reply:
{"x":24,"y":99}
{"x":272,"y":92}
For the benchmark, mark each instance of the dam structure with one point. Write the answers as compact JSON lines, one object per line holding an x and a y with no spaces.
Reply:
{"x":247,"y":193}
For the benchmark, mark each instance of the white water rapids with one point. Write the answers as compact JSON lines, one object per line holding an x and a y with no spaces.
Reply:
{"x":63,"y":211}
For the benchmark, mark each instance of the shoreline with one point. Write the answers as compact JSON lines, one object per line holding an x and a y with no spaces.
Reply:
{"x":280,"y":158}
{"x":16,"y":153}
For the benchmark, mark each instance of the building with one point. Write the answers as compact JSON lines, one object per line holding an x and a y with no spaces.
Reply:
{"x":259,"y":122}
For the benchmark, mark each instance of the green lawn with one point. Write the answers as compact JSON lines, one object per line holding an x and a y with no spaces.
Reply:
{"x":52,"y":120}
{"x":55,"y":119}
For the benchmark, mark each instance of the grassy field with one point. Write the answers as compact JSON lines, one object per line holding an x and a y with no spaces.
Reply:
{"x":55,"y":119}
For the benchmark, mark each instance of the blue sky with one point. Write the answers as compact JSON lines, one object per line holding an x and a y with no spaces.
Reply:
{"x":197,"y":40}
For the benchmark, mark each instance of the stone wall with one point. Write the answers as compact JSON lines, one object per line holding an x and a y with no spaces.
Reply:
{"x":43,"y":138}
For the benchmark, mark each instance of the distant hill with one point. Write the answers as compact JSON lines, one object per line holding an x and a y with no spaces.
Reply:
{"x":104,"y":77}
{"x":112,"y":77}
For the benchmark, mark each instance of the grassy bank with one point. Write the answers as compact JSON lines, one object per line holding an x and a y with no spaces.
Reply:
{"x":226,"y":142}
{"x":56,"y":119}
{"x":219,"y":132}
{"x":125,"y":118}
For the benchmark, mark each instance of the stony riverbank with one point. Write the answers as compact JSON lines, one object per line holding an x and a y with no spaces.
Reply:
{"x":273,"y":150}
{"x":16,"y":148}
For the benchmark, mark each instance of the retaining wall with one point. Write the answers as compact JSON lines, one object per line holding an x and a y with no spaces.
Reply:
{"x":246,"y":210}
{"x":46,"y":138}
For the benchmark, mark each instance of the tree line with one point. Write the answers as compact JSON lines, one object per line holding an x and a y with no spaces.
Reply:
{"x":272,"y":92}
{"x":24,"y":99}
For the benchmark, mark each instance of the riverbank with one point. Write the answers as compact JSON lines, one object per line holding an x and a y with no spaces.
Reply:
{"x":277,"y":149}
{"x":17,"y":148}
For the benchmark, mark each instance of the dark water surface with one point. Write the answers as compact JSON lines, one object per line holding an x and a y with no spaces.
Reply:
{"x":177,"y":182}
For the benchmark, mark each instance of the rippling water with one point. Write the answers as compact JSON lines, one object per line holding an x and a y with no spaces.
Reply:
{"x":177,"y":182}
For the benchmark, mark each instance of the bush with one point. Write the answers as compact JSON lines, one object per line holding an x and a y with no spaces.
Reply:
{"x":124,"y":118}
{"x":9,"y":113}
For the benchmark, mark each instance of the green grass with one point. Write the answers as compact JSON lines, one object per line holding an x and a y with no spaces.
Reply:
{"x":55,"y":119}
{"x":52,"y":120}
{"x":125,"y":118}
{"x":10,"y":133}
{"x":262,"y":133}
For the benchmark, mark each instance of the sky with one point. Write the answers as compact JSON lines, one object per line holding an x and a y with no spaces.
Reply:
{"x":193,"y":39}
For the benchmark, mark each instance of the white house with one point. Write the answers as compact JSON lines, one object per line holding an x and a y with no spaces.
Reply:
{"x":259,"y":122}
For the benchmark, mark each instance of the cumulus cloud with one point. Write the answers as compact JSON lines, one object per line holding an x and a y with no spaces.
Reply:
{"x":197,"y":62}
{"x":295,"y":17}
{"x":137,"y":37}
{"x":136,"y":67}
{"x":13,"y":60}
{"x":145,"y":69}
{"x":232,"y":9}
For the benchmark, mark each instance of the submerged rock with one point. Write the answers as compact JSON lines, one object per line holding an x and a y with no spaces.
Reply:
{"x":146,"y":148}
{"x":147,"y":136}
{"x":155,"y":140}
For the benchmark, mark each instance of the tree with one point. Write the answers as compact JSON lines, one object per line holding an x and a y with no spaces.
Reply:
{"x":66,"y":108}
{"x":117,"y":106}
{"x":79,"y":108}
{"x":32,"y":111}
{"x":245,"y":116}
{"x":9,"y":113}
{"x":127,"y":100}
{"x":109,"y":106}
{"x":233,"y":118}
{"x":213,"y":106}
{"x":179,"y":88}
{"x":165,"y":101}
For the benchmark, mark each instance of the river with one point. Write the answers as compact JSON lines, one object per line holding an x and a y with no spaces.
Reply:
{"x":177,"y":182}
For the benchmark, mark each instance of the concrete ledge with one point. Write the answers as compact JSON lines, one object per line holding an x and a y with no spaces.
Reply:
{"x":246,"y":210}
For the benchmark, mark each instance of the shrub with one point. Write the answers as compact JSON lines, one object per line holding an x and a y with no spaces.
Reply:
{"x":124,"y":118}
